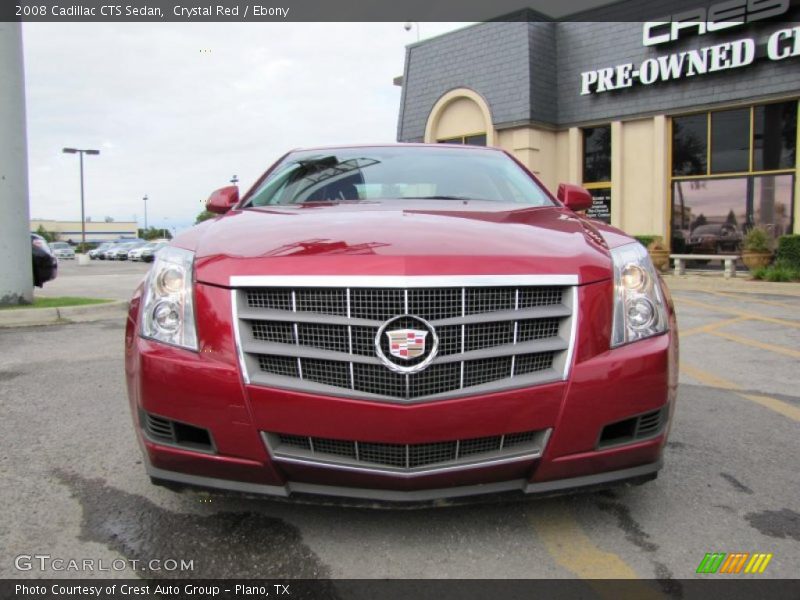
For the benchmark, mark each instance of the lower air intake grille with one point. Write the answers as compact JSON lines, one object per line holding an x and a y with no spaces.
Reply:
{"x":634,"y":429}
{"x":405,"y":457}
{"x":166,"y":431}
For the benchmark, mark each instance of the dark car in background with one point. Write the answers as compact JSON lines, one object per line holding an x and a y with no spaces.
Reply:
{"x":45,"y":265}
{"x":714,"y":238}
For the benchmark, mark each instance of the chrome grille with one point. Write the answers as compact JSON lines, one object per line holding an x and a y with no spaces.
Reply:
{"x":408,"y":458}
{"x":321,"y":338}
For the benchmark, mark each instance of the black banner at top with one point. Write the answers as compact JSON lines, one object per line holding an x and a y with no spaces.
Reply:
{"x":374,"y":10}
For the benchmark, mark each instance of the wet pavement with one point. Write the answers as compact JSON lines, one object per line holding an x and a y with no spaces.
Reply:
{"x":74,"y":485}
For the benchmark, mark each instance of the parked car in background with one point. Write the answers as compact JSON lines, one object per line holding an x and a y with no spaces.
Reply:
{"x":401,"y":323}
{"x":714,"y":238}
{"x":137,"y":253}
{"x":149,"y":251}
{"x":97,"y":253}
{"x":45,"y":265}
{"x":120,"y":251}
{"x":62,"y":250}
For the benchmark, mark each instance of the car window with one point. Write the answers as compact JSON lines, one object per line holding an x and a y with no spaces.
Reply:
{"x":398,"y":173}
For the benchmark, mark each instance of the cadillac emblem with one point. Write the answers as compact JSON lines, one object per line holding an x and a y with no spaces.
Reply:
{"x":406,"y":344}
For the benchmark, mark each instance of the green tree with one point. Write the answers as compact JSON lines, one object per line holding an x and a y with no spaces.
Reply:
{"x":49,"y":236}
{"x":155,"y":233}
{"x":204,"y":215}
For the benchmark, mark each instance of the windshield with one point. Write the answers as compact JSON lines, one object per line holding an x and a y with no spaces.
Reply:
{"x":398,"y":173}
{"x":60,"y":245}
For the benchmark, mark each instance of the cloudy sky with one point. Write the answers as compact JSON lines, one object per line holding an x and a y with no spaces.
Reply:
{"x":176,"y":109}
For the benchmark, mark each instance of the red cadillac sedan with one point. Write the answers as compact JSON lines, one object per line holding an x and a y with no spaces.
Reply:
{"x":401,"y":323}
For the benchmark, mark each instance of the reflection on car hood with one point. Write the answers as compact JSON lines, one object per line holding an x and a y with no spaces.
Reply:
{"x":415,"y":238}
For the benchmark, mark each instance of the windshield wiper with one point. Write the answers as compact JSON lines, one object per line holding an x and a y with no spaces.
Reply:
{"x":441,"y":198}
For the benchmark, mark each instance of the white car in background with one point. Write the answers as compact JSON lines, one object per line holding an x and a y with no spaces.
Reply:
{"x":97,"y":253}
{"x":120,"y":251}
{"x":142,"y":253}
{"x":62,"y":250}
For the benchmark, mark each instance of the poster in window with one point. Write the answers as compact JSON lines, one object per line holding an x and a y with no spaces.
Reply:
{"x":601,"y":205}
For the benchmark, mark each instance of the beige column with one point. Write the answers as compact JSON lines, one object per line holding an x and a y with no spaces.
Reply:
{"x":574,"y":149}
{"x":617,"y":196}
{"x":796,"y":228}
{"x":16,"y":279}
{"x":660,"y":190}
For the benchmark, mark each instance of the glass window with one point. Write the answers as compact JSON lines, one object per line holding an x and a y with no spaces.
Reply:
{"x":398,"y":173}
{"x":601,"y":205}
{"x":690,"y":145}
{"x":709,"y":215}
{"x":475,"y":140}
{"x":775,"y":136}
{"x":470,"y":140}
{"x":597,"y":154}
{"x":730,"y":141}
{"x":772,"y":203}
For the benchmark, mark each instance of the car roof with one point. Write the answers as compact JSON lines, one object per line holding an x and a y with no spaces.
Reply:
{"x":400,"y":145}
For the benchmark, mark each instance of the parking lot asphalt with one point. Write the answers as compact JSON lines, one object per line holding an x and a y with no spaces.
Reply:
{"x":74,"y":485}
{"x":114,"y":280}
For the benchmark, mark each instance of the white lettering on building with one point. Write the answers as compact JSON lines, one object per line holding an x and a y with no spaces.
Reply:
{"x":719,"y":16}
{"x":782,"y":44}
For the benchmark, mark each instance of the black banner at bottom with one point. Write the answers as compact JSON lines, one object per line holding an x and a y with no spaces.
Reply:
{"x":409,"y":589}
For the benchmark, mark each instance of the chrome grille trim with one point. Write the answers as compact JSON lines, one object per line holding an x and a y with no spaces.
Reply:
{"x":406,"y":460}
{"x":524,"y":334}
{"x":399,"y":281}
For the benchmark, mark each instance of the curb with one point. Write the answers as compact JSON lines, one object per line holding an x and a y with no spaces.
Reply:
{"x":28,"y":317}
{"x":740,"y":285}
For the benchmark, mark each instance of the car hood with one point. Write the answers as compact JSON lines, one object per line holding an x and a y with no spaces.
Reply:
{"x":419,"y":238}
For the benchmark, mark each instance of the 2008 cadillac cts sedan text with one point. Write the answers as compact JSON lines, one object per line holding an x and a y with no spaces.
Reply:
{"x":402,"y":323}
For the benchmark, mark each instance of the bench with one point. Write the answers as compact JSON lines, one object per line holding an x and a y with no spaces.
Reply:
{"x":728,"y":259}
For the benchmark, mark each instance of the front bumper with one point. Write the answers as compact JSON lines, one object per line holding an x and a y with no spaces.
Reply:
{"x":205,"y":389}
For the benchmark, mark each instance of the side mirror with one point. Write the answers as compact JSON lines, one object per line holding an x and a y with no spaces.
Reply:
{"x":222,"y":200}
{"x":574,"y":197}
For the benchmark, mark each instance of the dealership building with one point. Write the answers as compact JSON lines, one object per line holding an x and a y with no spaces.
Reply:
{"x":678,"y":125}
{"x":96,"y":231}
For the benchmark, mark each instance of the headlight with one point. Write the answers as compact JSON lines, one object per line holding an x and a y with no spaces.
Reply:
{"x":168,"y":308}
{"x":638,"y":305}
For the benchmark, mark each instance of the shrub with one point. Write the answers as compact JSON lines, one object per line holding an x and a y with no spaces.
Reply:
{"x":757,"y":240}
{"x":48,"y":236}
{"x":779,"y":272}
{"x":789,"y":250}
{"x":645,"y":240}
{"x":651,"y":242}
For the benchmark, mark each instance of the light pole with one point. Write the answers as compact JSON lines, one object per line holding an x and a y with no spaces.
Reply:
{"x":145,"y":212}
{"x":83,"y":219}
{"x":409,"y":25}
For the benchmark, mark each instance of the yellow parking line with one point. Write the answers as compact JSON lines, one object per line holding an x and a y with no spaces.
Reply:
{"x":756,"y":344}
{"x":572,"y":549}
{"x":711,"y":380}
{"x":710,"y":327}
{"x":787,"y":410}
{"x":738,"y":313}
{"x":744,"y":297}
